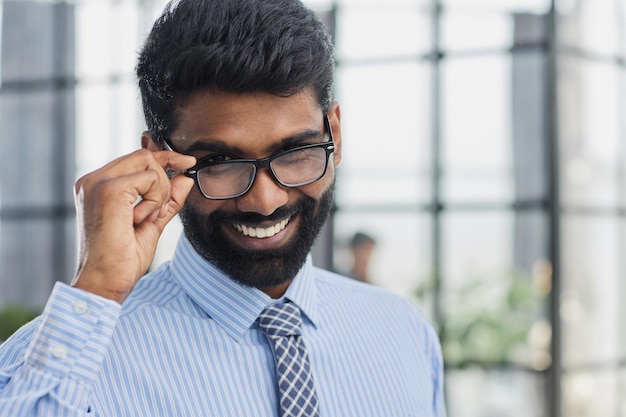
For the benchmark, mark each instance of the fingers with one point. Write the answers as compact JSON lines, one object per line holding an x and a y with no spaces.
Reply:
{"x":160,"y":201}
{"x":181,"y":186}
{"x":139,"y":181}
{"x":160,"y":196}
{"x":141,"y":160}
{"x":122,"y":209}
{"x":174,"y":160}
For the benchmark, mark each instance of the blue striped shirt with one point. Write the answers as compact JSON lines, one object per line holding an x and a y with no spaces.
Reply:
{"x":186,"y":343}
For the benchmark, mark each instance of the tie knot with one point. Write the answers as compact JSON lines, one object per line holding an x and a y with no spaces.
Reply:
{"x":281,"y":320}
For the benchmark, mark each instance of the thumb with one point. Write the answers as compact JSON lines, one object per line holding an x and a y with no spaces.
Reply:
{"x":181,"y":186}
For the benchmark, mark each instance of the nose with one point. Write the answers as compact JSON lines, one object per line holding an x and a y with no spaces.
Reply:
{"x":265,"y":195}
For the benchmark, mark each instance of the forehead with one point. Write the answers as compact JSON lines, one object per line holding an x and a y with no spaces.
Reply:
{"x":251,"y":121}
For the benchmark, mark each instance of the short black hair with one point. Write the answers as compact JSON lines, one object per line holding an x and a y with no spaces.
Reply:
{"x":276,"y":46}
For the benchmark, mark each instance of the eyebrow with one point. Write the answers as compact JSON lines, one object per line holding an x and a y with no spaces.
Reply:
{"x":219,"y":146}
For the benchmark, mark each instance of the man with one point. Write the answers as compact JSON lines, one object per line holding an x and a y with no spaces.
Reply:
{"x":362,"y":247}
{"x":236,"y":95}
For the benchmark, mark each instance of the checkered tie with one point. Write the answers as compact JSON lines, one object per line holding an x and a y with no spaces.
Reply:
{"x":282,"y":325}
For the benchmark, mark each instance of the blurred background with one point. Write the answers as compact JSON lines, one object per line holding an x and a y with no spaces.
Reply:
{"x":484,"y":173}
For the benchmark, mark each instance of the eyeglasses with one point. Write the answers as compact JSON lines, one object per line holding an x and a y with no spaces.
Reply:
{"x":295,"y":167}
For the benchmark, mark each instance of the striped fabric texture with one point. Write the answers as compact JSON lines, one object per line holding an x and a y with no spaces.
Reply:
{"x":187,"y":343}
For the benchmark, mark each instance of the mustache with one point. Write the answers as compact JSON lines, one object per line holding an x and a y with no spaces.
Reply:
{"x":221,"y":216}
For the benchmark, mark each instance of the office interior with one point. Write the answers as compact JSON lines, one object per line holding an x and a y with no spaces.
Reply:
{"x":484,"y":150}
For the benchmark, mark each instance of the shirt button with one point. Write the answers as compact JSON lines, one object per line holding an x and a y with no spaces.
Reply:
{"x":80,"y":307}
{"x":59,"y":351}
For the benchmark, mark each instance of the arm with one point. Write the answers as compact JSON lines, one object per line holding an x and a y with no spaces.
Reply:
{"x":49,"y":368}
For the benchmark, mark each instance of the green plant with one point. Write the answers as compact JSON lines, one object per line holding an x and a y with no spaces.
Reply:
{"x":487,"y":321}
{"x":12,"y":318}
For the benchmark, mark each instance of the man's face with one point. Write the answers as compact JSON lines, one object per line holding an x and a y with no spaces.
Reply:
{"x":262,"y":238}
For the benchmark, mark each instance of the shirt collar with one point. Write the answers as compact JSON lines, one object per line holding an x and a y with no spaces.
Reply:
{"x":233,"y":306}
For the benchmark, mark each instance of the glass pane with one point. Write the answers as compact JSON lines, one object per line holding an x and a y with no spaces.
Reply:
{"x":488,"y":30}
{"x":382,"y":30}
{"x":36,"y":42}
{"x":108,"y":115}
{"x":108,"y":123}
{"x":400,"y":260}
{"x":494,"y":124}
{"x":592,"y":108}
{"x":591,"y":25}
{"x":30,"y":169}
{"x":23,"y":280}
{"x":477,"y":130}
{"x":593,"y":289}
{"x":495,"y":283}
{"x":107,"y":39}
{"x":593,"y":394}
{"x":477,"y":392}
{"x":378,"y":2}
{"x":385,"y":136}
{"x":530,"y":6}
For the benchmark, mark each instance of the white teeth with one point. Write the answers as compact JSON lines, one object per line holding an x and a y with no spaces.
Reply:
{"x":261,"y":232}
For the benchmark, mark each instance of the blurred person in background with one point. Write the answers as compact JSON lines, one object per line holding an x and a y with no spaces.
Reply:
{"x":243,"y":141}
{"x":362,"y":247}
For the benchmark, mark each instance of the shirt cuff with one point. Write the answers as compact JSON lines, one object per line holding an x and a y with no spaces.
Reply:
{"x":74,"y":334}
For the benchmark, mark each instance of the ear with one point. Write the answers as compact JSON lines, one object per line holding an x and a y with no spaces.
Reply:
{"x":148,"y":143}
{"x":334,"y":118}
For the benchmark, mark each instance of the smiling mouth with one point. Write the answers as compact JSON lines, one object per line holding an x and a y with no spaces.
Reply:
{"x":261,"y":232}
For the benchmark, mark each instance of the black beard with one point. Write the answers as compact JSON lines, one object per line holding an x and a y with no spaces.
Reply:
{"x":257,"y":268}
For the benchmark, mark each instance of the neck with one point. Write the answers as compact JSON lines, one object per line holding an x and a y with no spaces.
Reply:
{"x":277,"y":291}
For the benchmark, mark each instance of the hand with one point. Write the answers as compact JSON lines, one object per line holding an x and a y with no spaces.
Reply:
{"x":122,"y":209}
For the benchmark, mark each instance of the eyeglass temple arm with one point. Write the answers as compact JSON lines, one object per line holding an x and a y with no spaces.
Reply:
{"x":171,"y":173}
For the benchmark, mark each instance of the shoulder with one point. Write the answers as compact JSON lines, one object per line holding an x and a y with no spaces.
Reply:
{"x":340,"y":293}
{"x":369,"y":314}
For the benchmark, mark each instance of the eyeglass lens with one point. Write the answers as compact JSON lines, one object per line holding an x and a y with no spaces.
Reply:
{"x":291,"y":168}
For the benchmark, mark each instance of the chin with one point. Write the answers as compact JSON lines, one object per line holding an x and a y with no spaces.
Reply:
{"x":257,"y":268}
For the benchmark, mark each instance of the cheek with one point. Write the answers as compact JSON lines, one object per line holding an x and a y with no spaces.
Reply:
{"x":317,"y":189}
{"x":203,"y":205}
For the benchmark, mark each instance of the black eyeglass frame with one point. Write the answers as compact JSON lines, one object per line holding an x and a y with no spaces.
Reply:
{"x":329,"y":147}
